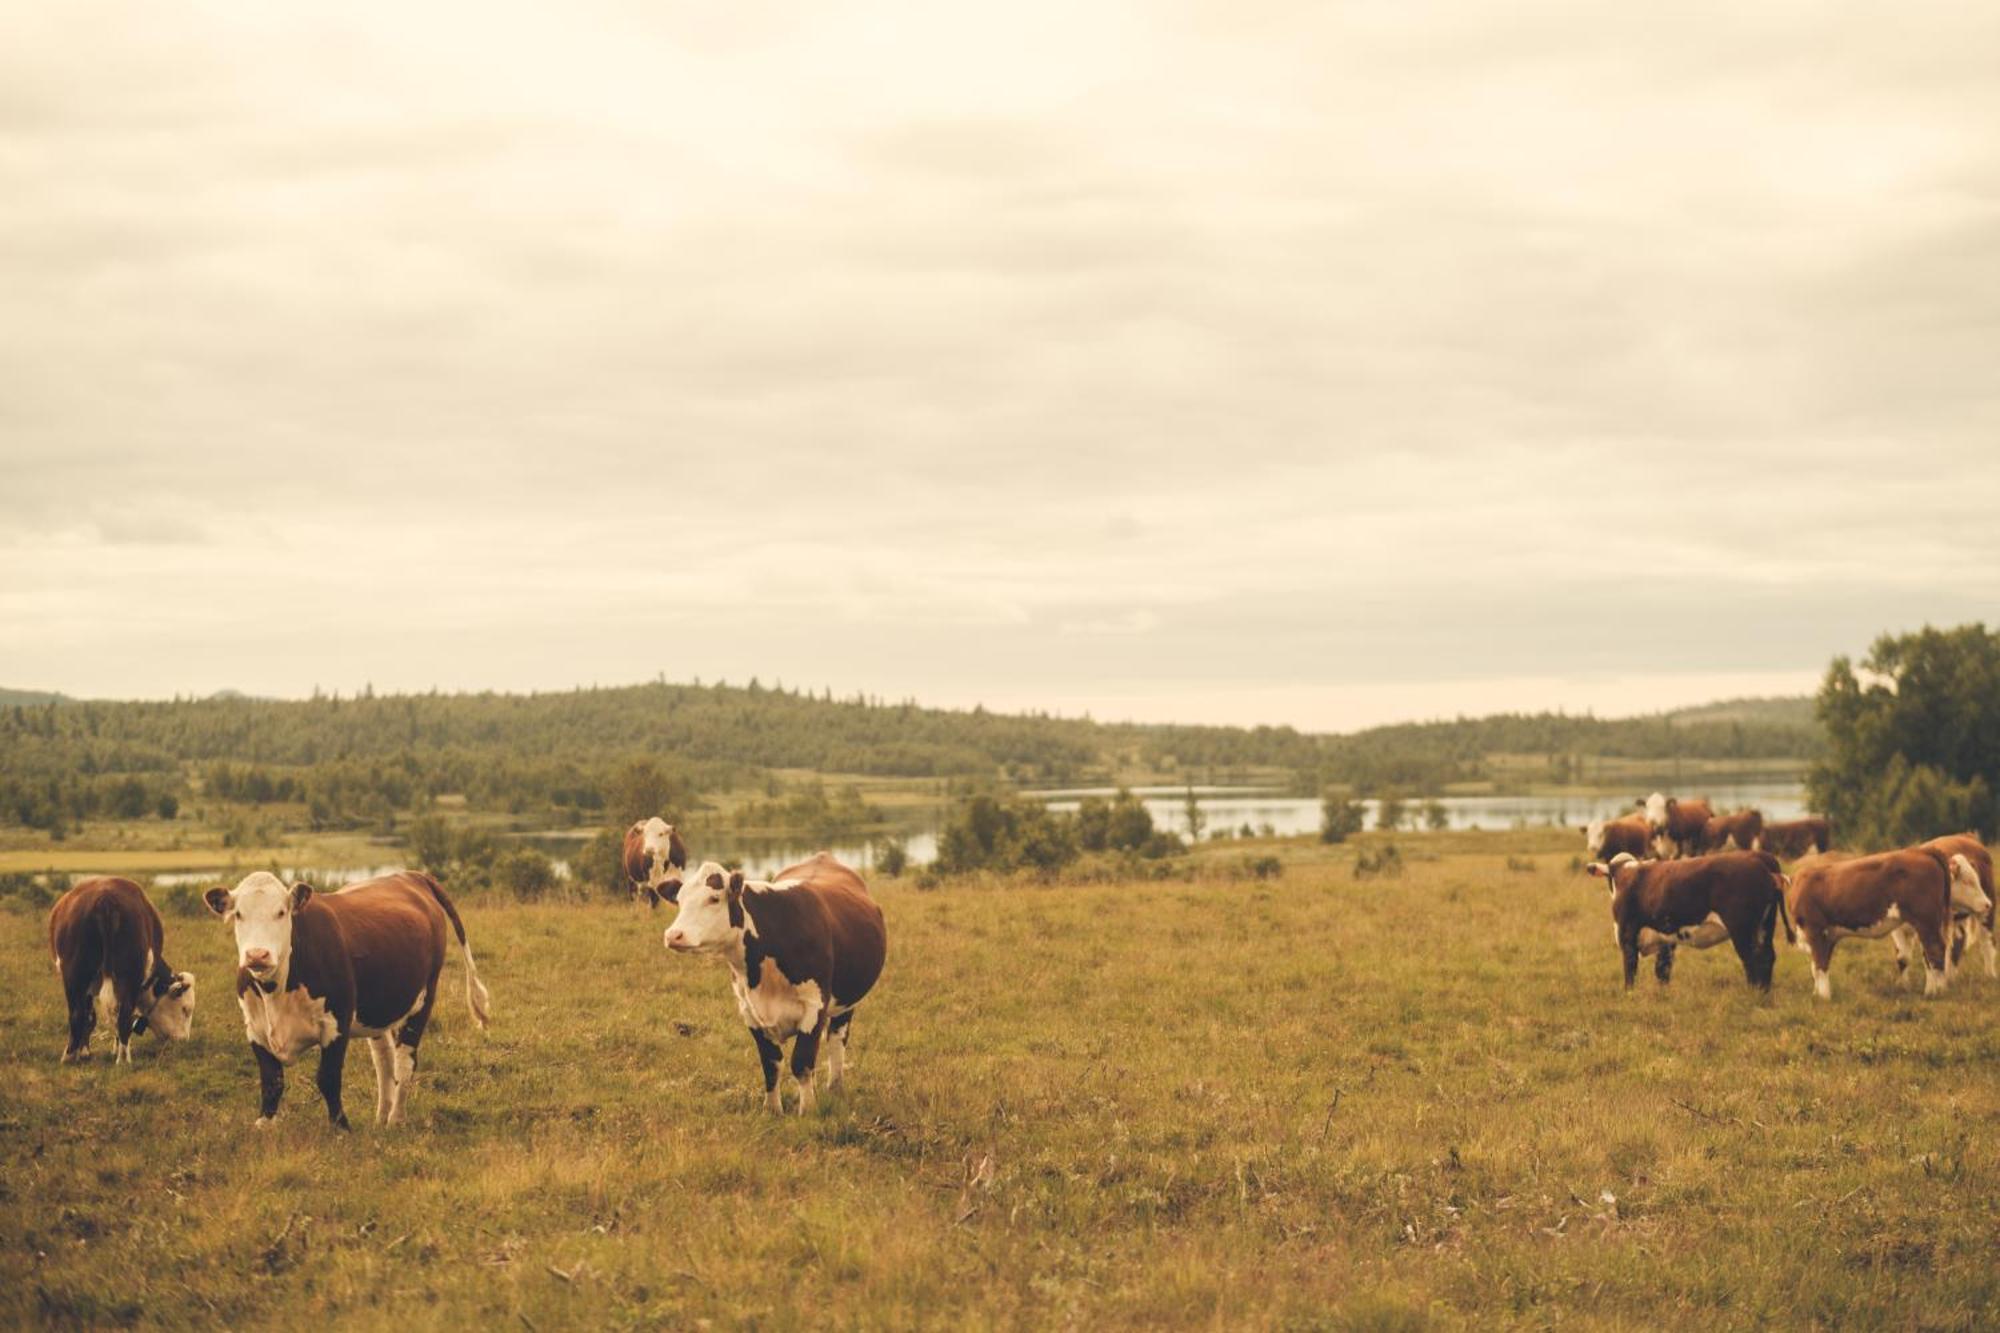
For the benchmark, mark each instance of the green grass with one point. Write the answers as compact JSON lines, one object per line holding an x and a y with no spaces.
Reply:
{"x":1105,"y":1106}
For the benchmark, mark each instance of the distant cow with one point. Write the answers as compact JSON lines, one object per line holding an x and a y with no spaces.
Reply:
{"x":655,"y":859}
{"x":1606,"y":838}
{"x":802,"y":951}
{"x":1917,"y":889}
{"x":1741,"y":829}
{"x":1969,"y":929}
{"x":107,"y":942}
{"x":1657,"y":906}
{"x":1796,"y":837}
{"x":314,"y":969}
{"x":1684,"y":823}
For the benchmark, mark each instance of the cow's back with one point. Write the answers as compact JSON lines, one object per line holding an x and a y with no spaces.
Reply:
{"x":393,"y":933}
{"x":1832,"y":889}
{"x":104,"y":919}
{"x":853,"y":920}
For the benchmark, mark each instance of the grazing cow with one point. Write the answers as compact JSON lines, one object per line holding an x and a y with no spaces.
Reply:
{"x":1658,"y":905}
{"x":1796,"y":837}
{"x":802,"y":951}
{"x":1916,"y":889}
{"x":106,"y":940}
{"x":1968,"y":929}
{"x":314,"y":969}
{"x":1606,"y":838}
{"x":655,"y":859}
{"x":1742,"y":829}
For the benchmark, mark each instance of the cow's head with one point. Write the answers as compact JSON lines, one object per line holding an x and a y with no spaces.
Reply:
{"x":1656,"y":809}
{"x":711,"y":912}
{"x":1593,"y":837}
{"x":166,"y":1002}
{"x":655,"y":858}
{"x":1968,"y":896}
{"x":1612,"y":871}
{"x":261,"y":909}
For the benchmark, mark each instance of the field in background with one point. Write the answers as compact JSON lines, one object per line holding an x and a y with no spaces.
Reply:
{"x":1315,"y":1100}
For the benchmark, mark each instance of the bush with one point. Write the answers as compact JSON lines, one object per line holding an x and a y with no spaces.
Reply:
{"x":168,"y":806}
{"x":1263,"y":867}
{"x":1002,"y":833}
{"x":1389,"y":812}
{"x":525,"y":873}
{"x":1385,"y":864}
{"x":1340,"y":818}
{"x":893,"y":858}
{"x":182,"y":899}
{"x":28,"y":893}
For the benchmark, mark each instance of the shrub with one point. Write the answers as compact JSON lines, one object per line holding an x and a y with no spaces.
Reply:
{"x":1340,"y":817}
{"x":526,"y":873}
{"x":893,"y":858}
{"x":1002,"y":833}
{"x":1385,"y":864}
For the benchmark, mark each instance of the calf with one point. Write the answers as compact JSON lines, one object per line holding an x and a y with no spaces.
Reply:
{"x":1606,"y":838}
{"x":1795,"y":837}
{"x":802,"y":951}
{"x":655,"y":858}
{"x":1916,"y":889}
{"x":1968,"y":928}
{"x":106,"y":939}
{"x":1741,"y":829}
{"x":314,"y":969}
{"x":1658,"y":905}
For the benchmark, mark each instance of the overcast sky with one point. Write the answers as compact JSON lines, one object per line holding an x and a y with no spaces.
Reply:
{"x":1320,"y":364}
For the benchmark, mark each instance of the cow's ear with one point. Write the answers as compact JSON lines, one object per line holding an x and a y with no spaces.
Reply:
{"x":301,"y":893}
{"x":671,"y":891}
{"x":217,"y":900}
{"x":736,"y":885}
{"x":677,"y":851}
{"x":183,"y":983}
{"x":1600,"y":870}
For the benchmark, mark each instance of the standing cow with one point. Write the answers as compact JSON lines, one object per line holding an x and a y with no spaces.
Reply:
{"x":1969,"y":928}
{"x":107,"y":941}
{"x":655,"y":859}
{"x":1657,"y":906}
{"x":1917,"y":889}
{"x":1742,"y":829}
{"x":315,"y":969}
{"x":1794,"y":838}
{"x":1606,"y":838}
{"x":802,"y":951}
{"x":1680,"y":823}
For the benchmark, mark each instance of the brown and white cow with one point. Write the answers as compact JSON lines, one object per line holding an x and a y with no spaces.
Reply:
{"x":1793,"y":838}
{"x":1917,"y":889}
{"x":802,"y":950}
{"x":655,"y":860}
{"x":1740,"y":830}
{"x":1606,"y":838}
{"x":1680,"y":823}
{"x":1656,"y":906}
{"x":1969,"y":929}
{"x":107,"y":941}
{"x":316,"y":969}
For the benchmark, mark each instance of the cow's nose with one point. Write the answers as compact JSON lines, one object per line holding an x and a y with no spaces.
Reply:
{"x":256,"y":957}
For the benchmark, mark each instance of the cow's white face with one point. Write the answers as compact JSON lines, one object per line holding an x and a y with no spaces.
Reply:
{"x":172,"y":1012}
{"x":1967,"y":895}
{"x":1593,"y":837}
{"x":261,"y":909}
{"x":711,"y":912}
{"x":1656,"y":809}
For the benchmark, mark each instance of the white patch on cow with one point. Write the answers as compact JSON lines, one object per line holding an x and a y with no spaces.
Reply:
{"x":775,"y":1100}
{"x":1935,"y":979}
{"x":1890,"y":922}
{"x":287,"y":1023}
{"x":1709,"y":933}
{"x":406,"y":1073}
{"x":385,"y":1076}
{"x":106,"y":1001}
{"x":807,"y":1099}
{"x":172,"y":1015}
{"x":1656,"y":809}
{"x":776,"y":886}
{"x":776,"y":1007}
{"x":836,"y":1058}
{"x":1967,"y":897}
{"x":1593,"y":838}
{"x":1822,"y":984}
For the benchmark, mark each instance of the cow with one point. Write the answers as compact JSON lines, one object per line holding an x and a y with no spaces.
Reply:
{"x":108,"y":945}
{"x":1916,"y":890}
{"x":1656,"y":906}
{"x":1794,"y":838}
{"x":1742,"y":829}
{"x":655,"y":859}
{"x":1680,"y":823}
{"x":802,"y":950}
{"x":1606,"y":838}
{"x":316,"y":969}
{"x":1969,"y":929}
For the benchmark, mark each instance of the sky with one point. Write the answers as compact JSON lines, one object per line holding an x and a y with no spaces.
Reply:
{"x":1311,"y":364}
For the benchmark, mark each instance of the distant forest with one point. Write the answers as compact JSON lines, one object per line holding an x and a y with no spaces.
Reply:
{"x":357,"y":759}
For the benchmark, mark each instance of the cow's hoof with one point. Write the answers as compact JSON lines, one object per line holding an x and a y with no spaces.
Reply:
{"x":75,"y":1057}
{"x":340,"y":1122}
{"x":262,"y":1122}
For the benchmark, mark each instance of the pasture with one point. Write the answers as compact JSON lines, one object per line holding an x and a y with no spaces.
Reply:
{"x":1310,"y":1102}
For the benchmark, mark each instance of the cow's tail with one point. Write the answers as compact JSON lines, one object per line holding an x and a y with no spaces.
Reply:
{"x":476,"y":997}
{"x":1784,"y":884}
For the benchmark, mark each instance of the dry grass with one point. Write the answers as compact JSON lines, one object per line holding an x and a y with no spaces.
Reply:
{"x":1307,"y":1103}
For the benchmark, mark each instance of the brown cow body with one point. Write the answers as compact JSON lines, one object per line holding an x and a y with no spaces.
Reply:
{"x":1794,"y":838}
{"x":802,"y":950}
{"x":1685,"y":824}
{"x":360,"y":962}
{"x":107,"y":941}
{"x":1885,"y":894}
{"x":1741,"y":830}
{"x":1607,"y":838}
{"x":1658,"y":905}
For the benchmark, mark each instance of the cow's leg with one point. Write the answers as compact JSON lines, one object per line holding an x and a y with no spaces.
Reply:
{"x":771,"y":1055}
{"x":80,"y":989}
{"x":271,"y":1084}
{"x":1904,"y":940}
{"x":1937,"y":956}
{"x":332,"y":1057}
{"x":1754,"y":946}
{"x":1821,"y":946}
{"x":1663,"y":964}
{"x":403,"y":1056}
{"x":1961,"y":935}
{"x":805,"y":1055}
{"x":836,"y":1055}
{"x":1628,"y":945}
{"x":382,"y":1050}
{"x":1992,"y":950}
{"x":127,"y":1015}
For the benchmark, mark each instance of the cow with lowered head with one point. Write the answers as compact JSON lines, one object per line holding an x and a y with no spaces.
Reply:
{"x":802,"y":950}
{"x":106,"y":939}
{"x":1793,"y":838}
{"x":1656,"y":906}
{"x":655,"y":860}
{"x":315,"y":970}
{"x":1969,"y":928}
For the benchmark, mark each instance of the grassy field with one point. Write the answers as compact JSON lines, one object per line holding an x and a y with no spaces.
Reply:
{"x":1300,"y":1103}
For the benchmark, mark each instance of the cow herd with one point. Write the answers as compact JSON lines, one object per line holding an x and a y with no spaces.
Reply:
{"x":1679,"y":874}
{"x":316,"y":970}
